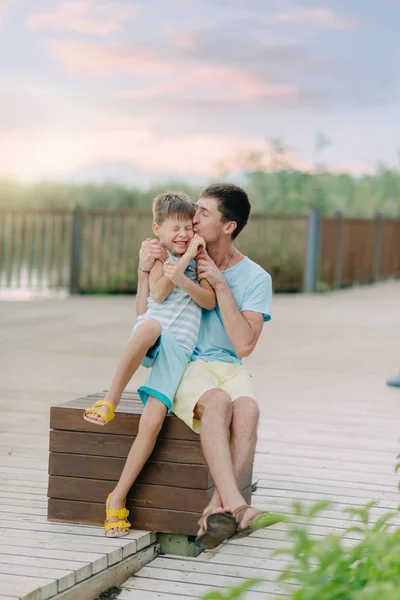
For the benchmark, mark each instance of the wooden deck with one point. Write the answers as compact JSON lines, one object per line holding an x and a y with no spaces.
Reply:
{"x":329,"y":430}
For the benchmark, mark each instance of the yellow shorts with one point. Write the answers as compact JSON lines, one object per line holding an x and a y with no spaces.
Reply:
{"x":201,"y":377}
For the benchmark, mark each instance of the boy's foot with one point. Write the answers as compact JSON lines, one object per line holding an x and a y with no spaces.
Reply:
{"x":101,"y":413}
{"x":116,"y":513}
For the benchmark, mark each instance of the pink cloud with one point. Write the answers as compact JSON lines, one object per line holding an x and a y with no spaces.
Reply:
{"x":216,"y":83}
{"x":179,"y":37}
{"x":320,"y":17}
{"x":93,"y":18}
{"x":82,"y":58}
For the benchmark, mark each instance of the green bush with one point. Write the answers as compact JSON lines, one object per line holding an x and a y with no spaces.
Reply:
{"x":329,"y":568}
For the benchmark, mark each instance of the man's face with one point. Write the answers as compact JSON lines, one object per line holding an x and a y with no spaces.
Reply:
{"x":207,"y":220}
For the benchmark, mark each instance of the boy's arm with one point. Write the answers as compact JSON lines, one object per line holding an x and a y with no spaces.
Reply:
{"x":203,"y":294}
{"x":160,"y":285}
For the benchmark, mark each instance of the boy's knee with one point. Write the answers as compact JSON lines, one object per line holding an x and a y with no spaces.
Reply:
{"x":153,"y":417}
{"x":151,"y":330}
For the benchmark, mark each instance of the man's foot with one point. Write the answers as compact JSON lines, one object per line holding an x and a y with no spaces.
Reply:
{"x":118,"y":514}
{"x":101,"y":413}
{"x":249,"y":519}
{"x":216,"y":526}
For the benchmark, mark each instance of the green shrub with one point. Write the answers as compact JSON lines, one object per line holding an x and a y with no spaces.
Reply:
{"x":328,"y":567}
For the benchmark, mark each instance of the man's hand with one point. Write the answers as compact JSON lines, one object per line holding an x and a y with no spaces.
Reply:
{"x":196,"y":245}
{"x":207,"y":269}
{"x":150,"y":251}
{"x":173,"y":272}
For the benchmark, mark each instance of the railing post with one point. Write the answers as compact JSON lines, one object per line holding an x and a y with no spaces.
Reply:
{"x":312,"y":252}
{"x":339,"y":249}
{"x":378,"y":245}
{"x":74,"y":287}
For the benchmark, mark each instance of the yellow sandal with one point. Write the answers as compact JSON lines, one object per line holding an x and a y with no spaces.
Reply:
{"x":95,"y":410}
{"x":123,"y":523}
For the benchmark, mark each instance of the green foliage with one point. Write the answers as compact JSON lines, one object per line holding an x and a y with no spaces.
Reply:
{"x":274,"y":185}
{"x":328,"y":568}
{"x":360,"y":563}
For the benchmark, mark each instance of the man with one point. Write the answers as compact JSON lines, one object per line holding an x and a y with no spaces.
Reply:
{"x":215,"y":389}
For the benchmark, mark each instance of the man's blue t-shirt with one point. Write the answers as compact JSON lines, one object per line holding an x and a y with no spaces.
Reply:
{"x":251,"y":287}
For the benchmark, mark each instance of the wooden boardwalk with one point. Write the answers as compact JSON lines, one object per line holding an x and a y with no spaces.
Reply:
{"x":329,"y":430}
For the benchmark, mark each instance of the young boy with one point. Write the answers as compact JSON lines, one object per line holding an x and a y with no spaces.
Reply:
{"x":163,"y":338}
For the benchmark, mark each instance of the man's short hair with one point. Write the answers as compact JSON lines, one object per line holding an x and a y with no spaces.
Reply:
{"x":172,"y":204}
{"x":233,"y":203}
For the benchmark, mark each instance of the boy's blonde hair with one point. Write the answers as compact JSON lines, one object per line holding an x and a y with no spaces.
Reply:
{"x":172,"y":204}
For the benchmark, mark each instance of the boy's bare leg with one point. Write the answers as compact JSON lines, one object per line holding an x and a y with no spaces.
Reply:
{"x":141,"y":341}
{"x":245,"y":415}
{"x":149,"y":427}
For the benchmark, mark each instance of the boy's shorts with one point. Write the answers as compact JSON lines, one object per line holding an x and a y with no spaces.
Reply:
{"x":168,"y":361}
{"x":201,"y":377}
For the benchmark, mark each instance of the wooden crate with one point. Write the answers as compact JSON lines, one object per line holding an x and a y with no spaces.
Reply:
{"x":86,"y":460}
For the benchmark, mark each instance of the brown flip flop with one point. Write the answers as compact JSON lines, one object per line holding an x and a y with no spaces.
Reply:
{"x":252,"y":526}
{"x":220,"y":527}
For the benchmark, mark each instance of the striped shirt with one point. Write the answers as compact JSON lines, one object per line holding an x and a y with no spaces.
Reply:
{"x":179,"y":314}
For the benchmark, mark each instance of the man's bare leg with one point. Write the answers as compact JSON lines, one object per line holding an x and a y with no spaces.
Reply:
{"x":149,"y":427}
{"x":215,"y":411}
{"x":245,"y":415}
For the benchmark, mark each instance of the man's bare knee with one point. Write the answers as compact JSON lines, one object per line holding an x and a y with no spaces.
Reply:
{"x":215,"y":403}
{"x":246,"y":414}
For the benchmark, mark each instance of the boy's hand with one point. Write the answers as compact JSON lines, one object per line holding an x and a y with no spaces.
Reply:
{"x":173,"y":272}
{"x":150,"y":251}
{"x":196,"y":245}
{"x":207,"y":269}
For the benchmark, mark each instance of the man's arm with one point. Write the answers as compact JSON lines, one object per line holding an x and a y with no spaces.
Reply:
{"x":150,"y":251}
{"x":243,"y":328}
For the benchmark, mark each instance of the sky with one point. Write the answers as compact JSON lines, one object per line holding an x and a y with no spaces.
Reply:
{"x":183,"y":86}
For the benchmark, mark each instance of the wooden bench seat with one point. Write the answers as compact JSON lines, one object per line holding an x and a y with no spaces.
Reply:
{"x":86,"y":460}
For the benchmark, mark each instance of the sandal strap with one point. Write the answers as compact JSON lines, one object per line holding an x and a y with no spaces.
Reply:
{"x":239,"y":512}
{"x":121,"y":513}
{"x":95,"y":410}
{"x":125,"y":525}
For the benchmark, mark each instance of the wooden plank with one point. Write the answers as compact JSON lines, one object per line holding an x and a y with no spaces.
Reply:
{"x":64,"y":578}
{"x":163,"y":520}
{"x":110,"y":468}
{"x":152,"y":496}
{"x":136,"y":585}
{"x":126,"y":422}
{"x":28,"y":588}
{"x":80,"y":569}
{"x":95,"y":444}
{"x":167,"y":521}
{"x":155,"y":496}
{"x":113,"y":576}
{"x":113,"y":553}
{"x":97,"y":561}
{"x":257,"y":570}
{"x":217,"y":581}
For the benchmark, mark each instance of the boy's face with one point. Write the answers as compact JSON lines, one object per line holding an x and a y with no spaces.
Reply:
{"x":175,"y":234}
